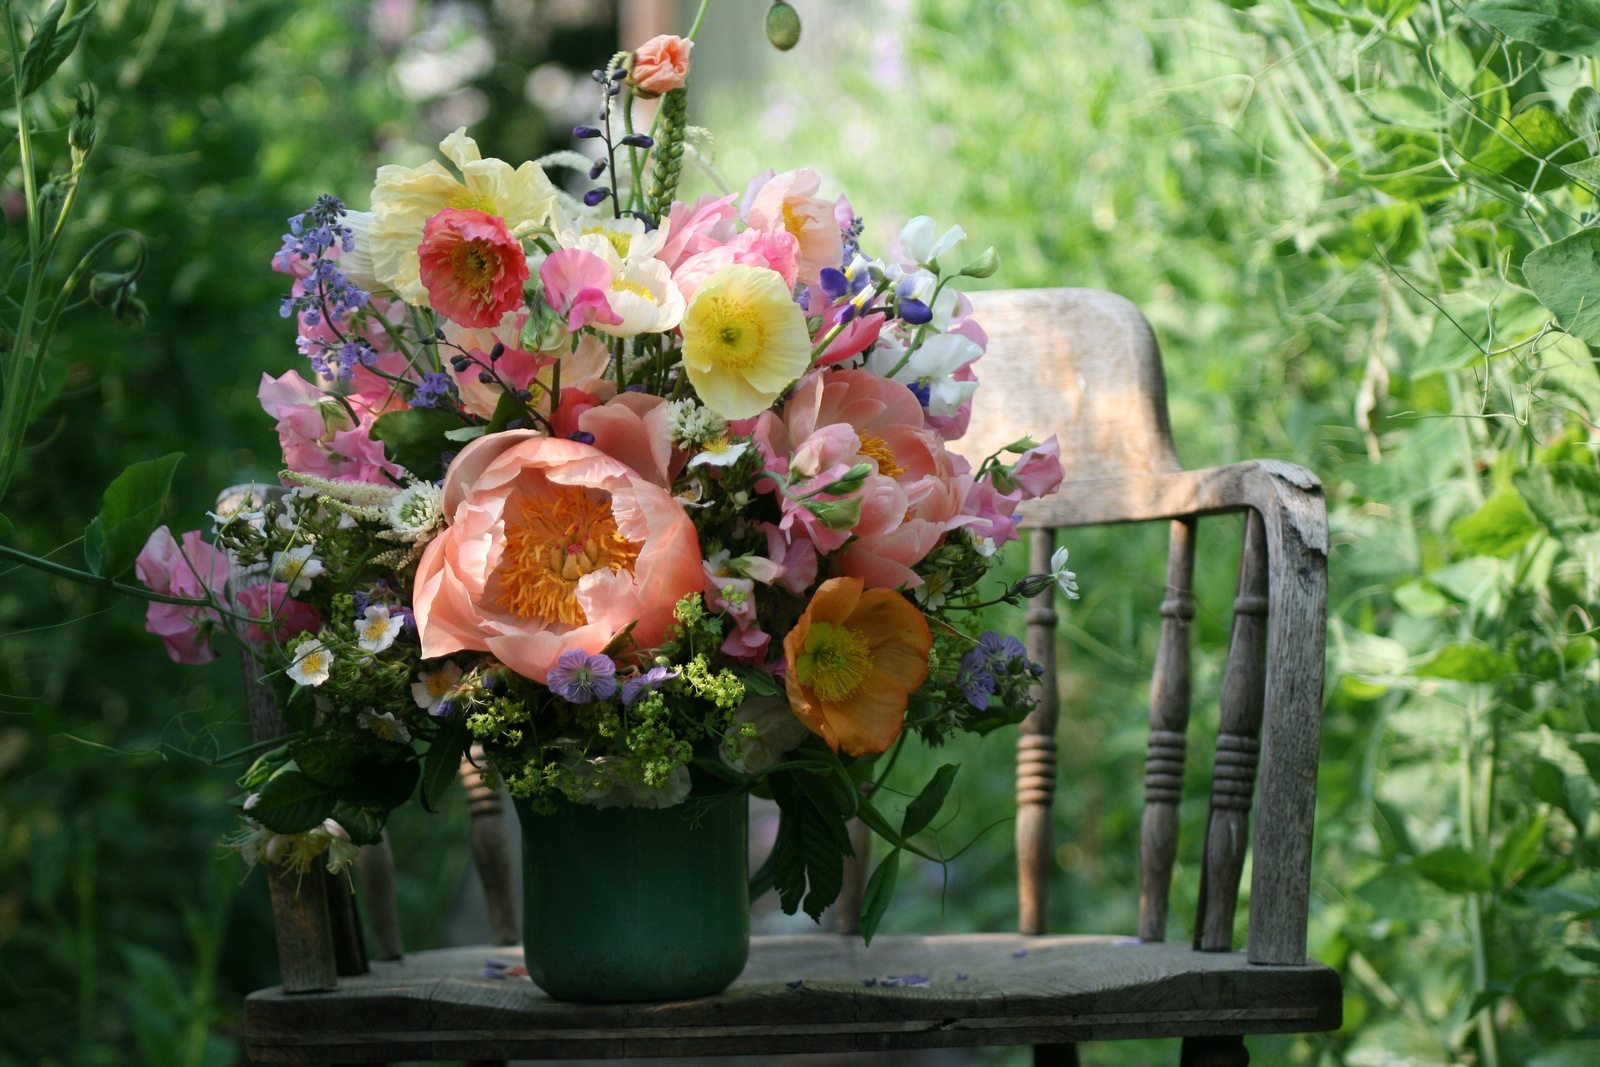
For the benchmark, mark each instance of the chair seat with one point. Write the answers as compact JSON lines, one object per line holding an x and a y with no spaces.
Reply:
{"x":807,"y":993}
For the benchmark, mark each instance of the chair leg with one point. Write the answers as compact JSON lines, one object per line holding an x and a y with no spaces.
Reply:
{"x":1214,"y":1052}
{"x":1055,"y":1056}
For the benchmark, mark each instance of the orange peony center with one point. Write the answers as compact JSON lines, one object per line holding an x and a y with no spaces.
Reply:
{"x":559,"y":537}
{"x":877,"y":450}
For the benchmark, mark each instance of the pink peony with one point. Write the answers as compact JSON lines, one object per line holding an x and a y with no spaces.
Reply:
{"x":193,"y":570}
{"x":472,"y":268}
{"x":552,"y":546}
{"x":710,"y":223}
{"x":661,"y":65}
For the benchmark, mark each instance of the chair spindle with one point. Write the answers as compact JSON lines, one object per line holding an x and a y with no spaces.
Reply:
{"x":1233,"y":775}
{"x":1169,"y":723}
{"x":844,"y":915}
{"x":375,"y":876}
{"x":491,"y":853}
{"x":1036,"y":753}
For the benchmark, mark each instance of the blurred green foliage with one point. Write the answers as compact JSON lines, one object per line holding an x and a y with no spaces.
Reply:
{"x":1362,"y":231}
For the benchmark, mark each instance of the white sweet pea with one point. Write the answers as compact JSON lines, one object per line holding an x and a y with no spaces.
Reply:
{"x":1065,"y":579}
{"x":312,"y":663}
{"x":377,"y":629}
{"x":930,"y":367}
{"x":918,"y":244}
{"x":776,"y":732}
{"x":920,"y":285}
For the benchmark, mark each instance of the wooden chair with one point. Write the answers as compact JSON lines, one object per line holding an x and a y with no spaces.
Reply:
{"x":1084,"y":365}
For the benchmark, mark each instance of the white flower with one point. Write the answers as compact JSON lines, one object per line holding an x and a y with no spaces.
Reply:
{"x":385,"y":726}
{"x":776,"y":732}
{"x":431,"y":686}
{"x":377,"y":629}
{"x":297,"y":567}
{"x":312,"y":661}
{"x":690,"y":423}
{"x":986,"y":547}
{"x":720,"y":453}
{"x":1067,"y":580}
{"x":930,"y":367}
{"x":918,"y":244}
{"x":417,"y":510}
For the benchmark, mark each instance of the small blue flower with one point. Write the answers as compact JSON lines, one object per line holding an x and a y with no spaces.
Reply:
{"x":434,"y":387}
{"x":583,"y":678}
{"x":649,"y":681}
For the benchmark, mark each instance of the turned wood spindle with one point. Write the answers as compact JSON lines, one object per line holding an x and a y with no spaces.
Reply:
{"x":375,"y":876}
{"x":1036,"y":753}
{"x":1169,"y":722}
{"x":491,"y":852}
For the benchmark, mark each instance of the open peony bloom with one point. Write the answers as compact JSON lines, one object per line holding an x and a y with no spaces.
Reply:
{"x":744,"y":340}
{"x":854,"y":659}
{"x":552,"y":546}
{"x":471,"y":266}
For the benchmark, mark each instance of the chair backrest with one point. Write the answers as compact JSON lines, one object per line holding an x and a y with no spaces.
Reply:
{"x":1084,"y":365}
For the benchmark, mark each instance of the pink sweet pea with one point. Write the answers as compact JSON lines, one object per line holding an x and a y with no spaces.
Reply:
{"x":577,"y":286}
{"x":268,"y":603}
{"x":193,"y":570}
{"x":752,"y":248}
{"x":1038,"y":473}
{"x":316,"y":433}
{"x":471,"y":266}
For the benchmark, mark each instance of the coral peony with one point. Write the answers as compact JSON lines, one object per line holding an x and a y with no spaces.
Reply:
{"x":552,"y":546}
{"x":661,"y":65}
{"x":471,"y":266}
{"x":854,"y":659}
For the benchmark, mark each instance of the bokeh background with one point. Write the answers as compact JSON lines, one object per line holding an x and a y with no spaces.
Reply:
{"x":1323,"y":207}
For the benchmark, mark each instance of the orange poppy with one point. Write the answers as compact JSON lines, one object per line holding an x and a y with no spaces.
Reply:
{"x":854,"y":659}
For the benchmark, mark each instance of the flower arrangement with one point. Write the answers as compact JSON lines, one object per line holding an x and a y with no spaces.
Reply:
{"x":652,"y":497}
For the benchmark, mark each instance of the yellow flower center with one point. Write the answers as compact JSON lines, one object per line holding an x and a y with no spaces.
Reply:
{"x":835,"y":662}
{"x":474,"y":265}
{"x":560,"y":537}
{"x":313,"y":662}
{"x":437,"y":684}
{"x":620,"y":241}
{"x":793,"y":222}
{"x":877,"y":449}
{"x":467,"y":200}
{"x":374,"y":629}
{"x":620,"y":286}
{"x":735,"y":332}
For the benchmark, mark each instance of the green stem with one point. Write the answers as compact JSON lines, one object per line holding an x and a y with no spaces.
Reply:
{"x":61,"y":570}
{"x":24,"y":145}
{"x":1488,"y":1040}
{"x":699,"y":17}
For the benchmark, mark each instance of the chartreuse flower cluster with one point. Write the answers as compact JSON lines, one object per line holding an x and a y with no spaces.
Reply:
{"x":654,"y":493}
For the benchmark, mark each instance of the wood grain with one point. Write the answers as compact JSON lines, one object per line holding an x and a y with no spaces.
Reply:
{"x":1036,"y":753}
{"x":375,"y":876}
{"x":491,"y":852}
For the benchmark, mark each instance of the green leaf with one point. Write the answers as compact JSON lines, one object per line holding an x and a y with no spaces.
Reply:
{"x":1467,"y":663}
{"x":1519,"y":849}
{"x":364,"y":825}
{"x":52,"y":42}
{"x":291,"y":801}
{"x":1500,"y":526}
{"x":922,"y":810}
{"x":879,"y":892}
{"x":1573,"y":796}
{"x":382,"y":783}
{"x":1563,"y":496}
{"x":1565,"y":276}
{"x":1570,"y":27}
{"x":443,"y":761}
{"x":1455,"y":870}
{"x":328,"y":764}
{"x":416,"y":440}
{"x":812,"y":843}
{"x":1528,"y":148}
{"x":129,"y":512}
{"x":757,"y":683}
{"x":5,"y":526}
{"x":1407,"y":105}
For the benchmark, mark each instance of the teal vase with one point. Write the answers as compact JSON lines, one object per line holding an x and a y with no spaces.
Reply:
{"x":632,"y":904}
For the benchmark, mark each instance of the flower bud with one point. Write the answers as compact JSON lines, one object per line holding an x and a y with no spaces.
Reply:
{"x":984,"y":266}
{"x":850,"y":482}
{"x":837,"y":514}
{"x":783,"y":26}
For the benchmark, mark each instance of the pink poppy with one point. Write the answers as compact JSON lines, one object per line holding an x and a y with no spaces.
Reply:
{"x":471,"y":266}
{"x":552,"y":545}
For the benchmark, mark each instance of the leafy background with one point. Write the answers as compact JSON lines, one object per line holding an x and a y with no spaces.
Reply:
{"x":1363,"y":231}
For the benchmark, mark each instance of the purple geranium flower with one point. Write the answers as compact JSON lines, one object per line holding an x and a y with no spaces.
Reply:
{"x":583,"y":678}
{"x":649,"y":681}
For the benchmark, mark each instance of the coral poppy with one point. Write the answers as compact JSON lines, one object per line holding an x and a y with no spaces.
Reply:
{"x":854,"y":659}
{"x":552,"y":546}
{"x":471,"y":266}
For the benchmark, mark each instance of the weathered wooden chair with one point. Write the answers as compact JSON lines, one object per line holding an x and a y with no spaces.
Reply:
{"x":1082,"y":364}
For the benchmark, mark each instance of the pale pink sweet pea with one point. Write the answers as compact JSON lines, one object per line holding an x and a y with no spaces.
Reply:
{"x":991,"y":514}
{"x":317,"y":435}
{"x":577,"y":286}
{"x":193,"y":570}
{"x":747,"y":644}
{"x":713,"y":221}
{"x":788,"y":202}
{"x":1038,"y":473}
{"x":484,"y":583}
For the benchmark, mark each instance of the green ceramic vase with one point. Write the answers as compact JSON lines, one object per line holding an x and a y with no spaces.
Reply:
{"x":631,"y":904}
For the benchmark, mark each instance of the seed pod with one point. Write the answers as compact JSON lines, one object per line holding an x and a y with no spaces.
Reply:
{"x":783,"y":25}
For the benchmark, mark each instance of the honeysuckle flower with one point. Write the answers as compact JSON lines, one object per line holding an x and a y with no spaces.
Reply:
{"x":471,"y":266}
{"x":744,"y":341}
{"x":406,"y":197}
{"x":384,"y":726}
{"x":377,"y":629}
{"x":660,"y":65}
{"x":431,"y":687}
{"x":788,"y":202}
{"x":582,"y":677}
{"x":854,"y":658}
{"x":1066,"y":580}
{"x":312,"y":663}
{"x":552,"y":545}
{"x":919,"y":246}
{"x":192,"y":569}
{"x":297,"y":566}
